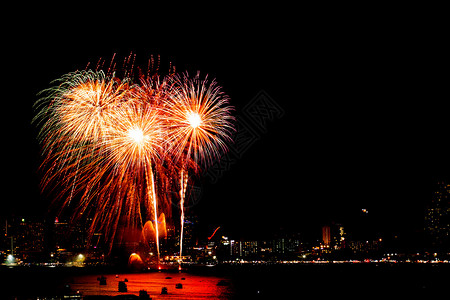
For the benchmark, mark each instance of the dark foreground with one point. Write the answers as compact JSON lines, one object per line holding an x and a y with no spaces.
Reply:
{"x":235,"y":282}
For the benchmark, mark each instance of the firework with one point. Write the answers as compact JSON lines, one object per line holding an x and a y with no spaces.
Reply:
{"x":199,"y":123}
{"x":112,"y":149}
{"x":134,"y":145}
{"x":80,"y":107}
{"x":198,"y":120}
{"x":75,"y":115}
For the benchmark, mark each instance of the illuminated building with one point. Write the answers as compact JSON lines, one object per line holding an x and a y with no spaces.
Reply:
{"x":244,"y":249}
{"x":235,"y":249}
{"x":23,"y":237}
{"x":30,"y":236}
{"x":437,"y":216}
{"x":326,"y":236}
{"x":333,"y":237}
{"x":337,"y":237}
{"x":365,"y":247}
{"x":250,"y":248}
{"x":189,"y":238}
{"x":223,"y":248}
{"x":74,"y":237}
{"x":286,"y":246}
{"x":61,"y":234}
{"x":8,"y":243}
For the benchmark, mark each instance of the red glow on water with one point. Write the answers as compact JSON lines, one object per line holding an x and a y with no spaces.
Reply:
{"x":179,"y":285}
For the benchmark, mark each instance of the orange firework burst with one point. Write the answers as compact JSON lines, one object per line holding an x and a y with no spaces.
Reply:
{"x":80,"y":107}
{"x":198,"y":119}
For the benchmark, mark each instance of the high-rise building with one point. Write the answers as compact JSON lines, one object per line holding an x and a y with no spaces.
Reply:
{"x":30,"y":236}
{"x":61,"y":235}
{"x":189,"y":237}
{"x":8,"y":239}
{"x":326,"y":235}
{"x":337,"y":237}
{"x":437,"y":216}
{"x":244,"y":249}
{"x":23,"y":237}
{"x":286,"y":245}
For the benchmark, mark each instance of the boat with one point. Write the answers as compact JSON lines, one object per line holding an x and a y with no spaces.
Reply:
{"x":178,"y":286}
{"x":102,"y":280}
{"x":164,"y":291}
{"x":223,"y":283}
{"x":123,"y":287}
{"x":144,"y":295}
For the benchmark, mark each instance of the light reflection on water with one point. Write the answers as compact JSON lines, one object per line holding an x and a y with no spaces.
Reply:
{"x":193,"y":286}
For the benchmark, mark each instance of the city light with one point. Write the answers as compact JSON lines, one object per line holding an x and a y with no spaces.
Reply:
{"x":10,"y":259}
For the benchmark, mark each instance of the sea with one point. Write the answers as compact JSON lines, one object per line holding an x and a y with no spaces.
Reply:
{"x":279,"y":281}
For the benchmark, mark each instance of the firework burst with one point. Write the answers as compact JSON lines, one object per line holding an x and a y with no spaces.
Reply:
{"x":198,"y":120}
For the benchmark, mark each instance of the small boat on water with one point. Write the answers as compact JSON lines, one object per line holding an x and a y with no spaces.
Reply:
{"x":223,"y":283}
{"x":164,"y":291}
{"x":123,"y":287}
{"x":144,"y":295}
{"x":102,"y":280}
{"x":178,"y":286}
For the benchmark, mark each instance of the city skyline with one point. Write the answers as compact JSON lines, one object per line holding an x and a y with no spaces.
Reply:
{"x":37,"y":239}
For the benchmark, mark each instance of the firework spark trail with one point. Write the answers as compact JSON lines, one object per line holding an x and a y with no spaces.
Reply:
{"x":198,"y":124}
{"x":155,"y":215}
{"x":183,"y":185}
{"x":136,"y":144}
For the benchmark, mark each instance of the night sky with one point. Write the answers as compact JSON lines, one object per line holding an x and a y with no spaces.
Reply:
{"x":363,"y":120}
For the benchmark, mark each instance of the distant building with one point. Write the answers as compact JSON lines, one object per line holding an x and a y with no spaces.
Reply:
{"x":30,"y":237}
{"x":250,"y":248}
{"x":326,"y":236}
{"x":338,"y":237}
{"x":286,"y":246}
{"x":23,"y":237}
{"x":333,"y":237}
{"x":189,"y":237}
{"x":61,"y":235}
{"x":437,"y":216}
{"x":365,"y":247}
{"x":244,"y":249}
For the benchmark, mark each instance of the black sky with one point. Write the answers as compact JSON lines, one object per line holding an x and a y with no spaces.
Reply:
{"x":365,"y":121}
